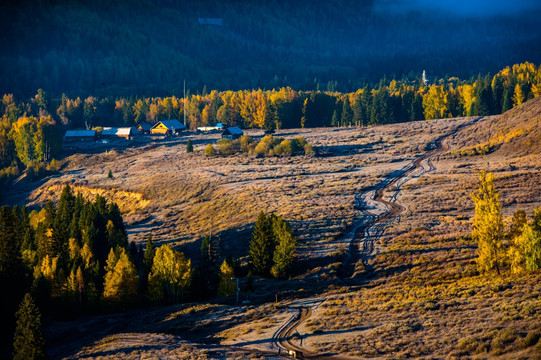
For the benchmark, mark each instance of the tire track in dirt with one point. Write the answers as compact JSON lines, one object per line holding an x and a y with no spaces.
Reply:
{"x":283,"y":338}
{"x":366,"y":234}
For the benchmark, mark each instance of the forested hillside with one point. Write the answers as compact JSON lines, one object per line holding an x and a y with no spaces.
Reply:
{"x":149,"y":47}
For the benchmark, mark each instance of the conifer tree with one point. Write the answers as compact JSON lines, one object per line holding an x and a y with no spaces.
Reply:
{"x":28,"y":343}
{"x":488,"y":225}
{"x":285,"y":249}
{"x":189,"y":146}
{"x":347,"y":113}
{"x":262,"y":245}
{"x":148,"y":258}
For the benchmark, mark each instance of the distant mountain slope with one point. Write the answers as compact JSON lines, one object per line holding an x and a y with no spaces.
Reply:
{"x":517,"y":132}
{"x":149,"y":47}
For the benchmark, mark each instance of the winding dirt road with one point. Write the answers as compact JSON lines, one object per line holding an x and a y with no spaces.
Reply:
{"x":366,"y":234}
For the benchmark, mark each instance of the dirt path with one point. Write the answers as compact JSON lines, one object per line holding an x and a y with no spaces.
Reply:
{"x":285,"y":336}
{"x":365,"y":235}
{"x":372,"y":228}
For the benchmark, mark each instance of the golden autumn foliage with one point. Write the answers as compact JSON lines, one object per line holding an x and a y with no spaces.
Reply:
{"x":227,"y":285}
{"x":171,"y":273}
{"x":121,"y":279}
{"x":488,"y":225}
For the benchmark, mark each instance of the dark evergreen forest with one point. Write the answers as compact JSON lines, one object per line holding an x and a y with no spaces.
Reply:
{"x":147,"y":48}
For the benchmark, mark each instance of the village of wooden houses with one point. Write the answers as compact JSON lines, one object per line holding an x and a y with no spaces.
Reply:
{"x":103,"y":137}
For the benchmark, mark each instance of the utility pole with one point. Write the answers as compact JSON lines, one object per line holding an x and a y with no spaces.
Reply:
{"x":184,"y":98}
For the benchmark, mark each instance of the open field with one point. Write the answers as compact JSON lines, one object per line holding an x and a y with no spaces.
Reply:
{"x":419,"y":295}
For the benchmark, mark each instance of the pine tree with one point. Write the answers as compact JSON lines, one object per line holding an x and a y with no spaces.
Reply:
{"x":189,"y":146}
{"x":488,"y":225}
{"x":148,"y":258}
{"x":335,"y":120}
{"x":28,"y":341}
{"x":262,"y":245}
{"x":347,"y":113}
{"x":285,"y":249}
{"x":12,"y":276}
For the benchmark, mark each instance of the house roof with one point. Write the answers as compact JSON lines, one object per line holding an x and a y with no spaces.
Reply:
{"x":108,"y":131}
{"x":80,"y":133}
{"x":117,"y":131}
{"x":234,"y":130}
{"x":126,"y":130}
{"x":144,"y":126}
{"x":172,"y":124}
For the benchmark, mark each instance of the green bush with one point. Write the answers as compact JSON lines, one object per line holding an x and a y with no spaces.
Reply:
{"x":35,"y":169}
{"x":308,"y":150}
{"x":225,"y":146}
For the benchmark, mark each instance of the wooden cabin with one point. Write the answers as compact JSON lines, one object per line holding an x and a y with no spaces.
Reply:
{"x":73,"y":136}
{"x":122,"y":132}
{"x":144,"y":128}
{"x":167,"y":127}
{"x":232,"y":133}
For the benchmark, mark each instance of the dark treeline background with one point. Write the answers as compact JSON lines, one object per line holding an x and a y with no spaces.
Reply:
{"x":31,"y":130}
{"x":147,"y":48}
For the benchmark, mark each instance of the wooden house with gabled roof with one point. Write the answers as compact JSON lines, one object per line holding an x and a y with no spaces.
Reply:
{"x":167,"y":127}
{"x":232,"y":133}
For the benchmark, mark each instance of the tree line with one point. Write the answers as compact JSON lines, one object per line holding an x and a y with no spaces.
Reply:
{"x":31,"y":130}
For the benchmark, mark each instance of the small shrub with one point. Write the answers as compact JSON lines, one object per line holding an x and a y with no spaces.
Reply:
{"x":110,"y":174}
{"x":530,"y":340}
{"x":285,"y":147}
{"x":469,"y":344}
{"x":308,"y":150}
{"x":225,"y":146}
{"x":502,"y":339}
{"x":35,"y":169}
{"x":209,"y":150}
{"x":245,"y":143}
{"x":54,"y":165}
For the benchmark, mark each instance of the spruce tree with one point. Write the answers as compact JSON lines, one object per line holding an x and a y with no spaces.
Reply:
{"x":148,"y":258}
{"x":28,"y":343}
{"x":285,"y":249}
{"x":189,"y":146}
{"x":262,"y":245}
{"x":347,"y":113}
